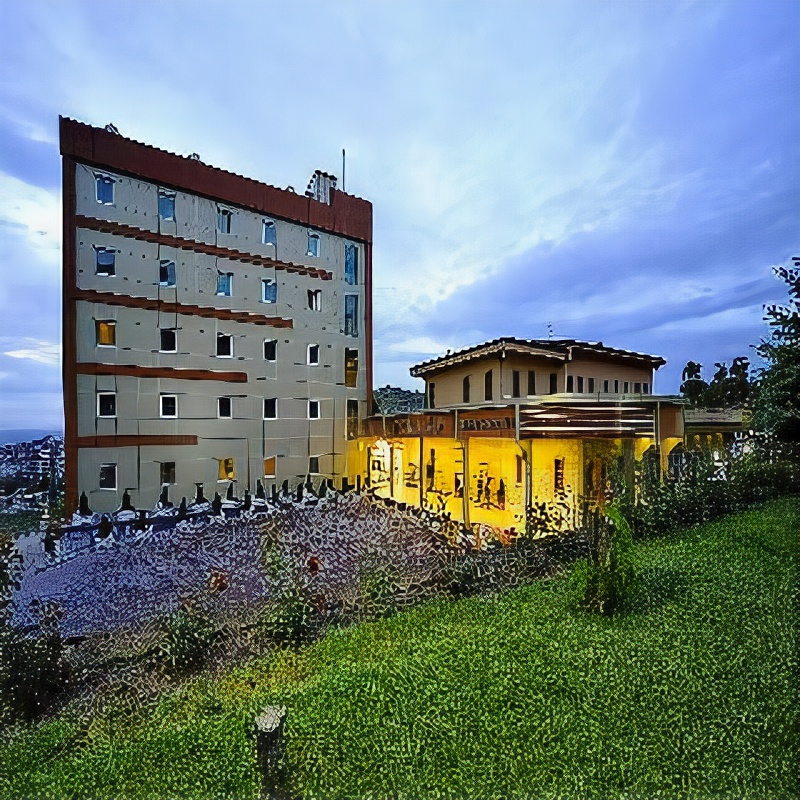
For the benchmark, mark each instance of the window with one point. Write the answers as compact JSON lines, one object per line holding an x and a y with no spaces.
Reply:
{"x":558,"y":474}
{"x":616,"y":387}
{"x":224,"y":345}
{"x":106,"y":404}
{"x":487,"y":385}
{"x":224,"y":407}
{"x":591,"y":386}
{"x":169,"y":340}
{"x":224,"y":220}
{"x":313,"y":465}
{"x":227,"y":469}
{"x":531,"y":383}
{"x":553,"y":383}
{"x":605,"y":387}
{"x":313,"y":409}
{"x":580,"y":385}
{"x":167,"y":472}
{"x":313,"y":245}
{"x":105,"y":331}
{"x":637,"y":388}
{"x":268,"y":233}
{"x":352,"y":419}
{"x":169,"y":405}
{"x":645,"y":388}
{"x":350,"y":264}
{"x":105,"y":261}
{"x":625,"y":389}
{"x":515,"y":383}
{"x":224,"y":284}
{"x":315,"y":299}
{"x":270,"y":349}
{"x":269,"y":291}
{"x":350,"y":367}
{"x":519,"y":469}
{"x":465,"y":389}
{"x":269,"y":466}
{"x":570,"y":383}
{"x":104,"y":186}
{"x":108,"y":476}
{"x":166,"y":273}
{"x":270,"y":408}
{"x":312,"y":357}
{"x":351,"y":315}
{"x":166,"y":204}
{"x":431,"y":395}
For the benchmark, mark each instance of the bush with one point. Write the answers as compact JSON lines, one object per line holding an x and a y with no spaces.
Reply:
{"x":378,"y":590}
{"x":187,"y":641}
{"x":291,"y":618}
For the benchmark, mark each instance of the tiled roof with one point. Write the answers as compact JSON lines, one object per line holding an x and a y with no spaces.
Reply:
{"x":394,"y":400}
{"x":559,"y":349}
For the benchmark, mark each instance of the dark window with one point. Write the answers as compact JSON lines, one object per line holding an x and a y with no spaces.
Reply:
{"x":645,"y":388}
{"x":166,"y":273}
{"x":268,"y":233}
{"x":224,"y":345}
{"x":270,"y":349}
{"x":637,"y":388}
{"x":107,"y":404}
{"x":225,"y":284}
{"x":580,"y":384}
{"x":350,"y":264}
{"x":169,"y":405}
{"x":313,"y":464}
{"x":313,"y":355}
{"x":616,"y":387}
{"x":531,"y":383}
{"x":269,"y":291}
{"x":625,"y":390}
{"x":108,"y":476}
{"x":351,"y":315}
{"x":605,"y":386}
{"x":224,"y":220}
{"x":591,"y":385}
{"x":166,"y":205}
{"x":431,"y":395}
{"x":487,"y":385}
{"x":105,"y":189}
{"x":313,"y":245}
{"x":314,"y":299}
{"x":105,"y":261}
{"x":167,"y":472}
{"x":352,"y":419}
{"x":519,"y":469}
{"x":553,"y":383}
{"x":465,"y":389}
{"x":515,"y":383}
{"x":350,"y":367}
{"x":270,"y":408}
{"x":224,"y":407}
{"x":313,"y":409}
{"x":169,"y":340}
{"x":570,"y":383}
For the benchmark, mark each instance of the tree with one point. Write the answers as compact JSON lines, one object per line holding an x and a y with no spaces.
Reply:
{"x":778,"y":408}
{"x":730,"y":387}
{"x":693,"y":387}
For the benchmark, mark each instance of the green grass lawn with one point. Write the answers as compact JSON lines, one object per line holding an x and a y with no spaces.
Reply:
{"x":694,"y":692}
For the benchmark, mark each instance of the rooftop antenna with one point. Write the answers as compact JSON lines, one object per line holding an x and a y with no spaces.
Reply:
{"x":549,"y":330}
{"x":343,"y":159}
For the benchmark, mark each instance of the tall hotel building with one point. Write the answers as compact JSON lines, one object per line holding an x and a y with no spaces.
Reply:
{"x":216,"y":330}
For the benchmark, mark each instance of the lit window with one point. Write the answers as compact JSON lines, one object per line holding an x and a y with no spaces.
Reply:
{"x":166,"y":273}
{"x":224,"y":345}
{"x":224,"y":407}
{"x":270,"y":408}
{"x":106,"y":261}
{"x":313,"y":355}
{"x":227,"y":469}
{"x":351,"y":315}
{"x":106,"y":404}
{"x":224,"y":220}
{"x":108,"y":476}
{"x":166,"y":204}
{"x":169,"y":340}
{"x":313,"y":465}
{"x":224,"y":284}
{"x":313,"y":409}
{"x":105,"y":332}
{"x":351,"y":264}
{"x":105,"y":189}
{"x":169,"y":405}
{"x":350,"y":367}
{"x":269,"y":291}
{"x":313,"y":245}
{"x":315,"y":299}
{"x":167,"y":472}
{"x":268,"y":233}
{"x":270,"y":349}
{"x":269,"y":466}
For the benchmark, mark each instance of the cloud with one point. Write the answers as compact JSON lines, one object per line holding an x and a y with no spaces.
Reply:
{"x":47,"y":353}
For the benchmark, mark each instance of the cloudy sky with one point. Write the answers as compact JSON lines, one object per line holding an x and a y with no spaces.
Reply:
{"x":618,"y":171}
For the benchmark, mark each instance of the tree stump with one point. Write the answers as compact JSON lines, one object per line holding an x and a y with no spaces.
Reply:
{"x":268,"y":734}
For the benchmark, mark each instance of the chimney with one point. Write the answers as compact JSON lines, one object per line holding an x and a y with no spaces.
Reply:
{"x":320,"y":186}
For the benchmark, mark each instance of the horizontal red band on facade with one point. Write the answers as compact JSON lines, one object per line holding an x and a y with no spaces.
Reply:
{"x":132,"y":371}
{"x":346,"y":215}
{"x":135,"y":441}
{"x":164,"y":239}
{"x":150,"y":304}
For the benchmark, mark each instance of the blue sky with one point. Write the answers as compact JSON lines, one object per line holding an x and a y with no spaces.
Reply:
{"x":619,"y":171}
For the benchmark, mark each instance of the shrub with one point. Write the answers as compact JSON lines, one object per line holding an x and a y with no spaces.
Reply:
{"x":291,"y":618}
{"x":187,"y":641}
{"x":378,"y":590}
